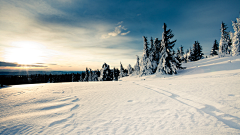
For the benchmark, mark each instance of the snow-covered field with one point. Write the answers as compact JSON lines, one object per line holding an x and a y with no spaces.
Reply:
{"x":203,"y":99}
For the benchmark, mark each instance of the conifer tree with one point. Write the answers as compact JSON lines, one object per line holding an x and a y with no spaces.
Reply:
{"x":225,"y":43}
{"x":143,"y":62}
{"x":186,"y":56}
{"x":137,"y":67}
{"x":90,"y":75}
{"x":130,"y":70}
{"x":196,"y":52}
{"x":94,"y":76}
{"x":157,"y":49}
{"x":151,"y":64}
{"x":151,"y":46}
{"x":181,"y":53}
{"x":115,"y":74}
{"x":86,"y":75}
{"x":236,"y":37}
{"x":121,"y":74}
{"x":175,"y":57}
{"x":167,"y":63}
{"x":151,"y":60}
{"x":105,"y":73}
{"x":178,"y":55}
{"x":81,"y":78}
{"x":214,"y":48}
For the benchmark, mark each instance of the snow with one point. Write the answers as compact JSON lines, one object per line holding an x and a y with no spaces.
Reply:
{"x":202,"y":99}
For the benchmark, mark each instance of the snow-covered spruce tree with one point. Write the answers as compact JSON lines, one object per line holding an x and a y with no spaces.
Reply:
{"x":90,"y":74}
{"x":115,"y":74}
{"x":151,"y":60}
{"x":214,"y":48}
{"x":105,"y":73}
{"x":151,"y":64}
{"x":178,"y":64}
{"x":151,"y":49}
{"x":196,"y":52}
{"x":137,"y":67}
{"x":236,"y":37}
{"x":157,"y":49}
{"x":178,"y":55}
{"x":143,"y":62}
{"x":181,"y":53}
{"x":86,"y":75}
{"x":121,"y":73}
{"x":94,"y":76}
{"x":167,"y":63}
{"x":186,"y":56}
{"x":130,"y":70}
{"x":224,"y":41}
{"x":81,"y":77}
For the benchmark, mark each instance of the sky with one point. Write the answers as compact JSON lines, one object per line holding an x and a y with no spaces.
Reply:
{"x":70,"y":35}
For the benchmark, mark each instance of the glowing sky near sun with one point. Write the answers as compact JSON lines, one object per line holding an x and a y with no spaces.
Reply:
{"x":75,"y":34}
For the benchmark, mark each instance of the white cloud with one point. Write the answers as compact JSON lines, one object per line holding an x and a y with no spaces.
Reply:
{"x":125,"y":33}
{"x":117,"y":31}
{"x":119,"y":23}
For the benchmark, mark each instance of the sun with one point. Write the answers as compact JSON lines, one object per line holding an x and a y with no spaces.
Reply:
{"x":25,"y":53}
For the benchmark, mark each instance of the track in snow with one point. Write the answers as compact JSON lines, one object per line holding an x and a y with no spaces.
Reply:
{"x":229,"y":120}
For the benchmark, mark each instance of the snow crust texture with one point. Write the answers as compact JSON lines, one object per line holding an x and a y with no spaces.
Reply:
{"x":203,"y":99}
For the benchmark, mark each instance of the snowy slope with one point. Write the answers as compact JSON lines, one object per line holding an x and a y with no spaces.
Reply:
{"x":203,"y":99}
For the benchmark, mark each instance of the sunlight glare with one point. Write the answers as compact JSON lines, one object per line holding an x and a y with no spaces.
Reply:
{"x":25,"y":52}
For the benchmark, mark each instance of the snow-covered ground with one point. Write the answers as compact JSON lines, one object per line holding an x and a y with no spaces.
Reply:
{"x":203,"y":99}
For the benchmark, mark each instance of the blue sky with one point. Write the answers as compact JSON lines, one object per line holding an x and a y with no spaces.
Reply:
{"x":75,"y":34}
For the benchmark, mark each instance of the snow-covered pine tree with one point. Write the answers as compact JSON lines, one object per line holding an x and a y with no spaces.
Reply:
{"x":167,"y":63}
{"x":157,"y":49}
{"x":143,"y":62}
{"x":236,"y":37}
{"x":151,"y":60}
{"x":94,"y":76}
{"x":81,"y":77}
{"x":121,"y":74}
{"x":151,"y":49}
{"x":199,"y":51}
{"x":105,"y":73}
{"x":214,"y":48}
{"x":186,"y":56}
{"x":137,"y":67}
{"x":115,"y":74}
{"x":174,"y":57}
{"x":181,"y":53}
{"x":130,"y":70}
{"x":86,"y":75}
{"x":196,"y":52}
{"x":224,"y":41}
{"x":90,"y":75}
{"x":151,"y":64}
{"x":178,"y":55}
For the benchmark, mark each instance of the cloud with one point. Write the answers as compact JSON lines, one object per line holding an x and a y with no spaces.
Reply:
{"x":9,"y":64}
{"x":117,"y":31}
{"x":125,"y":33}
{"x":65,"y":38}
{"x":119,"y":23}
